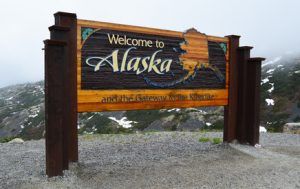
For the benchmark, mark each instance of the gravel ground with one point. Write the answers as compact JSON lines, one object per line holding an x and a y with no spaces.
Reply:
{"x":158,"y":160}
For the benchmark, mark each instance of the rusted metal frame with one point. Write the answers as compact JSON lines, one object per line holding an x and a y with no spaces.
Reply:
{"x":243,"y":54}
{"x":61,"y":95}
{"x":230,"y":111}
{"x":61,"y":33}
{"x":55,"y":56}
{"x":253,"y":100}
{"x":68,"y":21}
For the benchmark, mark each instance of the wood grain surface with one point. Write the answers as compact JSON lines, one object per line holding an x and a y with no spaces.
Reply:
{"x":110,"y":92}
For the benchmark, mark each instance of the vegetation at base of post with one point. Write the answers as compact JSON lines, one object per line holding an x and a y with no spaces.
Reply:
{"x":212,"y":140}
{"x":217,"y":140}
{"x":204,"y":139}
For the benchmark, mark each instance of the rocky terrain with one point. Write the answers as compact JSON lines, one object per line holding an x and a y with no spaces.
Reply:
{"x":158,"y":160}
{"x":22,"y":108}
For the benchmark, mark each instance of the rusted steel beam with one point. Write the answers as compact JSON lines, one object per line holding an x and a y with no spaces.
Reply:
{"x":230,"y":111}
{"x":61,"y":33}
{"x":66,"y":23}
{"x":243,"y":54}
{"x":253,"y":100}
{"x":55,"y":56}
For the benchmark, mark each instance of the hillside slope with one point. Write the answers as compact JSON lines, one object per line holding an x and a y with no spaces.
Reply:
{"x":280,"y":97}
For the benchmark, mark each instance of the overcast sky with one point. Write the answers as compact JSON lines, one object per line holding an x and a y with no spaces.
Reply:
{"x":271,"y":26}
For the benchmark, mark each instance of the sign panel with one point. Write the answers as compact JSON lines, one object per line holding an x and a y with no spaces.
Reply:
{"x":127,"y":67}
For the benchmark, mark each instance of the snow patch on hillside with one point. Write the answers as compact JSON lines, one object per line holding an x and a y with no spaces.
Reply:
{"x":266,"y":80}
{"x":123,"y":122}
{"x":272,"y":61}
{"x":270,"y":71}
{"x":90,"y":117}
{"x":174,"y":109}
{"x":270,"y":102}
{"x":262,"y":129}
{"x":208,"y":124}
{"x":34,"y":111}
{"x":272,"y":88}
{"x":10,"y":98}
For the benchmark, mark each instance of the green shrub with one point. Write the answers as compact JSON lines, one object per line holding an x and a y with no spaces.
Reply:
{"x":204,"y":139}
{"x":217,"y":140}
{"x":214,"y":140}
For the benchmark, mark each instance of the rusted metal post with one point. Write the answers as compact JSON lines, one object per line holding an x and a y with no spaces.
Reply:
{"x":241,"y":115}
{"x":66,"y":28}
{"x":55,"y":56}
{"x":242,"y":58}
{"x":61,"y":33}
{"x":253,"y":100}
{"x":230,"y":111}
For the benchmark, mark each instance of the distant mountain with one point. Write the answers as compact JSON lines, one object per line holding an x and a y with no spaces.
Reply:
{"x":280,"y":94}
{"x":22,"y":108}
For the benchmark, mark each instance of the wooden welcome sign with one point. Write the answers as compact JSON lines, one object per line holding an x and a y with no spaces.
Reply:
{"x":123,"y":67}
{"x":96,"y":66}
